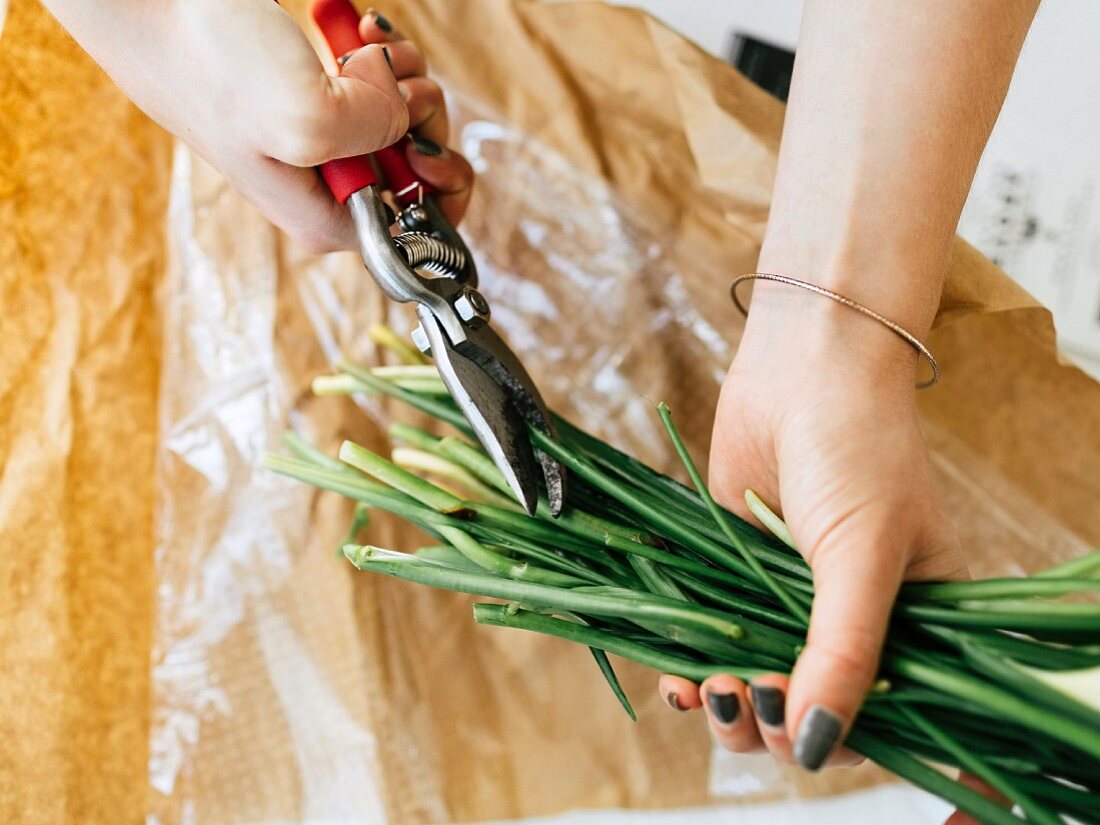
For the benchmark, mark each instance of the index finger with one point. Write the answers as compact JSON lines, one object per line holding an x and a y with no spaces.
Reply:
{"x":374,"y":27}
{"x":447,"y":171}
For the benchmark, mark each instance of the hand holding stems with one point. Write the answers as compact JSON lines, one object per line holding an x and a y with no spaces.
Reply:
{"x":240,"y":83}
{"x":890,"y":108}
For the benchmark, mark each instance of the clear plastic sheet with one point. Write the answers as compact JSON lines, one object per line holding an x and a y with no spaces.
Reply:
{"x":283,"y":689}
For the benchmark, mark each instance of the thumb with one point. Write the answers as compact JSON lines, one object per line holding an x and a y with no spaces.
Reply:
{"x":357,"y":112}
{"x":858,"y":567}
{"x":369,"y":111}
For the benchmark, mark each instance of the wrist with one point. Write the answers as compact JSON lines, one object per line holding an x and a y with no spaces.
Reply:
{"x":810,"y":341}
{"x":900,"y":281}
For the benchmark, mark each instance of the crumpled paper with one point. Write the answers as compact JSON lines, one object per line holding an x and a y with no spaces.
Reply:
{"x":624,"y":180}
{"x":83,"y":189}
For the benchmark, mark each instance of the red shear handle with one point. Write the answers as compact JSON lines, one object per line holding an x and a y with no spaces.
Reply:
{"x":339,"y":23}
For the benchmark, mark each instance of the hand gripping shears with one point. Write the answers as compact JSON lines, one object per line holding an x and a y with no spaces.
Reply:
{"x":417,"y":256}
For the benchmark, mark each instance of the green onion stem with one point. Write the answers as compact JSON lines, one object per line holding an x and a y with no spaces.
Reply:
{"x":502,"y":565}
{"x":894,"y":759}
{"x":712,"y":551}
{"x":307,"y":452}
{"x":413,"y":459}
{"x":1008,"y":704}
{"x":384,"y":336}
{"x":769,"y":519}
{"x":981,"y":769}
{"x":413,"y":436}
{"x":475,"y":461}
{"x":499,"y":616}
{"x":585,"y":600}
{"x":441,"y":410}
{"x":998,"y":589}
{"x":1019,"y":616}
{"x":1086,"y":565}
{"x":655,"y":580}
{"x":401,"y":480}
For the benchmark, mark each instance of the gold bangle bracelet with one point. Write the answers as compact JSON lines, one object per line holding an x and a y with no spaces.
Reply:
{"x":897,"y":329}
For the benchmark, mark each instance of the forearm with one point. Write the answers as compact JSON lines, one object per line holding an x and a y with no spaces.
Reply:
{"x":120,"y":34}
{"x":192,"y":66}
{"x":891,"y":105}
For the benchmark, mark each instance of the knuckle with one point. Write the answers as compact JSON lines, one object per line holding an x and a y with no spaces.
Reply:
{"x":395,"y":125}
{"x":853,"y":657}
{"x":433,"y":92}
{"x":421,"y":59}
{"x":411,"y":57}
{"x":834,"y":534}
{"x":303,"y":139}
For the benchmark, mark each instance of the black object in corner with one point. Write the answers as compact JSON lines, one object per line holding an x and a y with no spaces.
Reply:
{"x":768,"y":66}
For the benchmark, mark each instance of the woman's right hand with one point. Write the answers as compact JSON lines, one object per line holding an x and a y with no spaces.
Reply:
{"x":240,"y":83}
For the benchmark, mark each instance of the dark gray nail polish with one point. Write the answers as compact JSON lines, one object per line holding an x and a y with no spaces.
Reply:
{"x":816,"y":738}
{"x":425,"y":146}
{"x":768,"y":702}
{"x":674,"y":701}
{"x":725,"y":707}
{"x":382,"y":23}
{"x":386,"y":54}
{"x":344,"y":58}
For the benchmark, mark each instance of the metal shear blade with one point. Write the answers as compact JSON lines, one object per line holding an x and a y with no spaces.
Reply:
{"x":499,"y":400}
{"x":487,"y":381}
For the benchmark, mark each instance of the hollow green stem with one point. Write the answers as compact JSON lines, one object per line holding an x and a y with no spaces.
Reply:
{"x":896,"y":760}
{"x":614,"y":602}
{"x":499,"y":616}
{"x":302,"y":448}
{"x":502,"y":565}
{"x":401,"y":480}
{"x":769,"y":519}
{"x":981,"y":769}
{"x":1086,"y":565}
{"x":421,"y":461}
{"x":475,"y":461}
{"x":995,"y":589}
{"x":1007,"y":703}
{"x":384,"y":336}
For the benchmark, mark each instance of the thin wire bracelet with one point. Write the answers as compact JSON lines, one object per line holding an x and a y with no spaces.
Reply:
{"x":895,"y":328}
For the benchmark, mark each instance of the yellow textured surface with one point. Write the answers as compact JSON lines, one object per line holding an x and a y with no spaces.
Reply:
{"x":78,"y":379}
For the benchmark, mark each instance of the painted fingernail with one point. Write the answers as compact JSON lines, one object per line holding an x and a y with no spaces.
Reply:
{"x":817,"y":736}
{"x":425,"y":146}
{"x":386,"y":54}
{"x":380,"y":21}
{"x":674,"y":701}
{"x":725,"y":707}
{"x":344,"y":58}
{"x":768,"y":702}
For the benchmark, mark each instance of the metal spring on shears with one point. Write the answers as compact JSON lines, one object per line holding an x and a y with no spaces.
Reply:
{"x":424,"y":251}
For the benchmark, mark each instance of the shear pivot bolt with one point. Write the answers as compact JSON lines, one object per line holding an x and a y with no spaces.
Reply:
{"x":414,"y":217}
{"x":471,"y":305}
{"x":420,"y":338}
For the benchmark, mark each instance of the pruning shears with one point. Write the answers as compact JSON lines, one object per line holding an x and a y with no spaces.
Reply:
{"x":417,"y":256}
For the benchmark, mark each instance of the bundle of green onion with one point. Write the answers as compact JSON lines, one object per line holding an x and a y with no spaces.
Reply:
{"x":996,"y":677}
